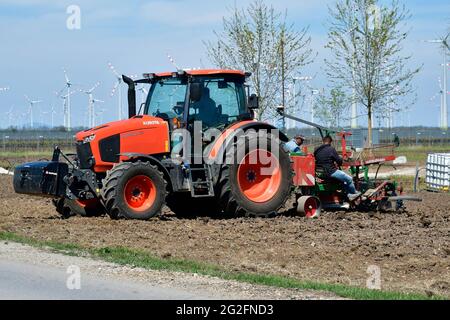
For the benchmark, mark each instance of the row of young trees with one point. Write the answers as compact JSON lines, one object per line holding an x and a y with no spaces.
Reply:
{"x":367,"y":65}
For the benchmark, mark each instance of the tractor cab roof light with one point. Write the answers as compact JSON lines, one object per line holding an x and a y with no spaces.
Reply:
{"x":178,"y":73}
{"x":148,"y":75}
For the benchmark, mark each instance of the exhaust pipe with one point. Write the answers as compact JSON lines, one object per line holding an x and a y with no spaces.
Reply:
{"x":131,"y":96}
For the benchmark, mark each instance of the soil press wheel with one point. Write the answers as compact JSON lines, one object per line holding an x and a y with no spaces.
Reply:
{"x":259,"y":181}
{"x":134,"y":190}
{"x":309,"y":207}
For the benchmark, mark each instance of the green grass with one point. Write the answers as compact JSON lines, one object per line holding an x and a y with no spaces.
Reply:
{"x":27,"y":154}
{"x":137,"y":258}
{"x":419,"y":153}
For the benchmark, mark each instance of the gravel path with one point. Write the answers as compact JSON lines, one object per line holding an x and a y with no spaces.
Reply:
{"x":30,"y":273}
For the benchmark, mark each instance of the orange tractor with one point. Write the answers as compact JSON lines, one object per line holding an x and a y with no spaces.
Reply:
{"x":129,"y":168}
{"x":193,"y":145}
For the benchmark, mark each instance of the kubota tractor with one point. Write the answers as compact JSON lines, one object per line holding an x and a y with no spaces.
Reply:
{"x":129,"y":168}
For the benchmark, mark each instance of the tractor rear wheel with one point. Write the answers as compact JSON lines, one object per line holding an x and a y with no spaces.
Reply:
{"x":259,"y":181}
{"x":134,"y":190}
{"x":85,"y":208}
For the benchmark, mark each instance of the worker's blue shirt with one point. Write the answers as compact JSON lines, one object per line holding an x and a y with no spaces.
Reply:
{"x":293,"y":146}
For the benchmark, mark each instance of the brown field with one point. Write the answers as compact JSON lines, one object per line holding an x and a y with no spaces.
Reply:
{"x":412,"y":249}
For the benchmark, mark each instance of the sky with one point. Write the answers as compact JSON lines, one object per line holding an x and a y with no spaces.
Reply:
{"x":136,"y":36}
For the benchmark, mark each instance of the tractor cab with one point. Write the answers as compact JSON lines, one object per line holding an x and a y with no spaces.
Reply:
{"x":217,"y":98}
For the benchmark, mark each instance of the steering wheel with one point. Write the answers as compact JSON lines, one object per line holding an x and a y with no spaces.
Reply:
{"x":178,"y":109}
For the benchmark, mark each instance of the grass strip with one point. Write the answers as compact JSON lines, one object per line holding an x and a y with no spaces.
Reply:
{"x":138,"y":258}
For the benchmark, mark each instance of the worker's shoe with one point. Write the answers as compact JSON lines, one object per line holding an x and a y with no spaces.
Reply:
{"x":353,"y":197}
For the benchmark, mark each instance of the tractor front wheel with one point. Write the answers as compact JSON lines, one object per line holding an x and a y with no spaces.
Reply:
{"x":134,"y":190}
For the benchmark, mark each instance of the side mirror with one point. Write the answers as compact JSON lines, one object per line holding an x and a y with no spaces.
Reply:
{"x":195,"y":91}
{"x":253,"y":102}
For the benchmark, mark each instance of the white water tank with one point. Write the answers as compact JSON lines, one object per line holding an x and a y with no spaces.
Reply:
{"x":438,"y":171}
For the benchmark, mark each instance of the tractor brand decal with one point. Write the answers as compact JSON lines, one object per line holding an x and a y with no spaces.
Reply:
{"x":150,"y":122}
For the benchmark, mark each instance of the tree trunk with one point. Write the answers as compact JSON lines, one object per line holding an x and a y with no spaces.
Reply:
{"x":369,"y":125}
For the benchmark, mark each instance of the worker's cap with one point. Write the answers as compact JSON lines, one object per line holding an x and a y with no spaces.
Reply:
{"x":299,"y":136}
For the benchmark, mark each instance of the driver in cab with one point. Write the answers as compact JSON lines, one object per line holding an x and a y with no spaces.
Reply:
{"x":205,"y":109}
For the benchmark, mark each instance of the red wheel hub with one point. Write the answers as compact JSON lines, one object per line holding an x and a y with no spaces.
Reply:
{"x":140,"y":193}
{"x":311,"y":207}
{"x":259,"y":175}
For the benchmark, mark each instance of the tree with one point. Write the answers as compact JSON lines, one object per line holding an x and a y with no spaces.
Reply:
{"x":258,"y":39}
{"x":332,"y":109}
{"x":366,"y":43}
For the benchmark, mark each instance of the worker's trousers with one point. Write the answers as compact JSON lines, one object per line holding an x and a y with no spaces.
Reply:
{"x":346,"y":179}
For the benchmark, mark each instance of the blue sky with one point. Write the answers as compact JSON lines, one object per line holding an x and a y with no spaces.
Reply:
{"x":137,"y":35}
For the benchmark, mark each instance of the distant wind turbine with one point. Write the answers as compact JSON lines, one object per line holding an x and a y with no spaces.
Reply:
{"x":91,"y":103}
{"x":9,"y":115}
{"x":117,"y":88}
{"x":67,"y":112}
{"x":32,"y":103}
{"x":444,"y":44}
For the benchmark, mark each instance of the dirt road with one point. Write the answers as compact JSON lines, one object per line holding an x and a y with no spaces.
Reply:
{"x":411,"y":249}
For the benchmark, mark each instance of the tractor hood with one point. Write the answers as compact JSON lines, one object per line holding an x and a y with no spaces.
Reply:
{"x":139,"y":122}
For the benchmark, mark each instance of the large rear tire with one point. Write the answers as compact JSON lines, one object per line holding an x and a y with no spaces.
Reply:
{"x":85,"y":208}
{"x":134,"y":190}
{"x":259,"y":181}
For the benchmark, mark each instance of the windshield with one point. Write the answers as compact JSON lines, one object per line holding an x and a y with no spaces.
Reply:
{"x":222,"y":102}
{"x":165,"y":94}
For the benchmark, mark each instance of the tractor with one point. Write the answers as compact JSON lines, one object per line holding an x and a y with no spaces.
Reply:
{"x":193,"y":145}
{"x":129,"y":169}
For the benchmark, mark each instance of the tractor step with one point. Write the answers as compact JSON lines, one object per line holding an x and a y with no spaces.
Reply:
{"x":203,"y":186}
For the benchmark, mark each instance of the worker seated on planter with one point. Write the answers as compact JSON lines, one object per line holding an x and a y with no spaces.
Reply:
{"x":294,"y":145}
{"x":329,"y":161}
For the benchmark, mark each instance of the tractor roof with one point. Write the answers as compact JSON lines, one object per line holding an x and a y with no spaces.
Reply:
{"x":205,"y":72}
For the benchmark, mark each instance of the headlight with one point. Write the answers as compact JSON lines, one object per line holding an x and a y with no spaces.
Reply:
{"x":89,"y":138}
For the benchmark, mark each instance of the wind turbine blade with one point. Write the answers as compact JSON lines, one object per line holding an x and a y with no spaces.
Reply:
{"x":94,"y":87}
{"x":113,"y":70}
{"x":446,"y":38}
{"x":66,"y":77}
{"x":113,"y":91}
{"x":98,"y":100}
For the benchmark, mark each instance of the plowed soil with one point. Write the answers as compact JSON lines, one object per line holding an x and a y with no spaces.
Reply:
{"x":411,"y":249}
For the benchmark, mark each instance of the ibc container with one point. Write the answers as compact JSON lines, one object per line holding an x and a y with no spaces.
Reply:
{"x":438,"y":171}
